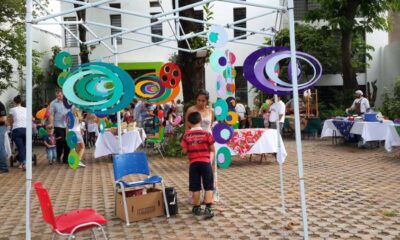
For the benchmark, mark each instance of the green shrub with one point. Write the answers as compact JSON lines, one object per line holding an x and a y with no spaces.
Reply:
{"x":391,"y":105}
{"x":173,"y":147}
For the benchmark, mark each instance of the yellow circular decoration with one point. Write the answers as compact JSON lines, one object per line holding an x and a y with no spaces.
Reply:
{"x":232,"y":118}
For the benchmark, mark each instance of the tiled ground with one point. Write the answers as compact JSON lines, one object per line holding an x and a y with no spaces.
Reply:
{"x":351,"y":194}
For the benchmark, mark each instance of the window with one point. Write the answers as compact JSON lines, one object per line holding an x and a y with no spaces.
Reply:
{"x":71,"y":41}
{"x":241,"y":90}
{"x":238,"y":14}
{"x":75,"y":61}
{"x":116,"y":22}
{"x":199,"y":27}
{"x":156,"y":29}
{"x":115,"y":5}
{"x":302,"y":6}
{"x":155,"y":4}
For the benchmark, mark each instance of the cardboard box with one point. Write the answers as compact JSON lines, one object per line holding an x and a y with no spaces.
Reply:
{"x":141,"y":204}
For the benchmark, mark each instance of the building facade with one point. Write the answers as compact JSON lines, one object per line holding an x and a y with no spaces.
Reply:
{"x":145,"y":59}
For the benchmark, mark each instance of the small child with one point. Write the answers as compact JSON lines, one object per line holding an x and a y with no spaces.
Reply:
{"x":199,"y":144}
{"x":50,"y":143}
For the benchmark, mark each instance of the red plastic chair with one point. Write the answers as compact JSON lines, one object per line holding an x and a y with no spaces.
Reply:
{"x":69,"y":223}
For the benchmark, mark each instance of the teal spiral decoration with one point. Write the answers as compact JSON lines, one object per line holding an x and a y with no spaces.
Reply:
{"x":99,"y":88}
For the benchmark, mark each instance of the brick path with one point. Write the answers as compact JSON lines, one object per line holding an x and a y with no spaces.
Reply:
{"x":351,"y":194}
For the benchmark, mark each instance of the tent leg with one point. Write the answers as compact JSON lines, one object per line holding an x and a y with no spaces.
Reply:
{"x":28,"y":90}
{"x":297,"y":119}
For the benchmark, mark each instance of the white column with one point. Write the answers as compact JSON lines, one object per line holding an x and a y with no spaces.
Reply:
{"x":297,"y":118}
{"x":28,"y":91}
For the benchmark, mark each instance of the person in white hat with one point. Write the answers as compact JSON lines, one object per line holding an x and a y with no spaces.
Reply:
{"x":360,"y":104}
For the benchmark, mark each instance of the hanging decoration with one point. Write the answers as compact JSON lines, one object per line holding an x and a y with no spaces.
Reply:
{"x":262,"y":68}
{"x":161,"y":88}
{"x":223,"y":157}
{"x":221,"y":62}
{"x":170,"y":75}
{"x":217,"y":36}
{"x":73,"y":159}
{"x":94,"y":87}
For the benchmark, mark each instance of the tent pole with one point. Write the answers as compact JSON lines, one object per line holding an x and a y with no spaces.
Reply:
{"x":297,"y":118}
{"x":279,"y":159}
{"x":279,"y":155}
{"x":28,"y":91}
{"x":119,"y":112}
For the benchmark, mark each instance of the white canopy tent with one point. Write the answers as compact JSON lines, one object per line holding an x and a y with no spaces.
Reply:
{"x":165,"y":16}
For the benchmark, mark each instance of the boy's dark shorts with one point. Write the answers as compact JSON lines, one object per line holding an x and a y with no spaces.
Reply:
{"x":201,"y":171}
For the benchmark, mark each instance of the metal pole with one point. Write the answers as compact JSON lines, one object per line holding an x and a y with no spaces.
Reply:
{"x":28,"y":91}
{"x":279,"y":155}
{"x":279,"y":158}
{"x":177,"y":23}
{"x":297,"y":118}
{"x":119,"y":112}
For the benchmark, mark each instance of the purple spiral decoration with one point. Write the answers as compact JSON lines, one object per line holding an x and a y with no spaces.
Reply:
{"x":262,"y":63}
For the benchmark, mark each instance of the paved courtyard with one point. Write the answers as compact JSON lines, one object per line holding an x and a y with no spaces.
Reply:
{"x":351,"y":194}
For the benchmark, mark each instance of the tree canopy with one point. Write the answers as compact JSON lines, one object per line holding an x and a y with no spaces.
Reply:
{"x":350,"y":17}
{"x":12,"y":41}
{"x":323,"y":43}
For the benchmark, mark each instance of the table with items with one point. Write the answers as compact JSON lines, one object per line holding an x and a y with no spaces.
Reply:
{"x":255,"y":141}
{"x":384,"y":130}
{"x":107,"y":143}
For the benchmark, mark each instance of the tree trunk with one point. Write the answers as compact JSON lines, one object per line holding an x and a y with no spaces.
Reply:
{"x":193,"y":77}
{"x":84,"y":52}
{"x":349,"y":76}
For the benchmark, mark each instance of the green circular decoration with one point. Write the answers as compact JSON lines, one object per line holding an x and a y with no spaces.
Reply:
{"x":72,"y":139}
{"x":220,"y":109}
{"x":63,"y":60}
{"x":62,"y":78}
{"x":223,"y":158}
{"x":42,"y":133}
{"x":73,"y":159}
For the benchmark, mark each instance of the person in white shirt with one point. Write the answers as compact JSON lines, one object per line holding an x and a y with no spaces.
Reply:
{"x":241,"y":112}
{"x":360,"y":104}
{"x":179,"y":108}
{"x":18,"y":123}
{"x":277,"y":112}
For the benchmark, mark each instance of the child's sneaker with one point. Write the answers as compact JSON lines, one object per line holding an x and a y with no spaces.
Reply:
{"x":208,"y":212}
{"x":196,"y":210}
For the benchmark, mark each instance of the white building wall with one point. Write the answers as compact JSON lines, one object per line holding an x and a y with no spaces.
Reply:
{"x":389,"y":69}
{"x":223,"y":14}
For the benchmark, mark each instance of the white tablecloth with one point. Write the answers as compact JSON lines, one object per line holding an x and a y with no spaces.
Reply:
{"x":392,"y":138}
{"x":267,"y":143}
{"x":369,"y":131}
{"x":107,"y":143}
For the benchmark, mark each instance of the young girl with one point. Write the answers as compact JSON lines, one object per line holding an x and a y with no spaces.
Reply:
{"x":50,"y":143}
{"x":156,"y":124}
{"x":169,"y":128}
{"x":80,"y":147}
{"x":265,"y":116}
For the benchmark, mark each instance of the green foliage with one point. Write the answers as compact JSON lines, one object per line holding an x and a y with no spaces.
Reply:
{"x":174,"y":148}
{"x":323,"y":43}
{"x":391,"y":104}
{"x":53,"y":71}
{"x":328,"y":110}
{"x":340,"y":15}
{"x":351,"y":18}
{"x":12,"y":39}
